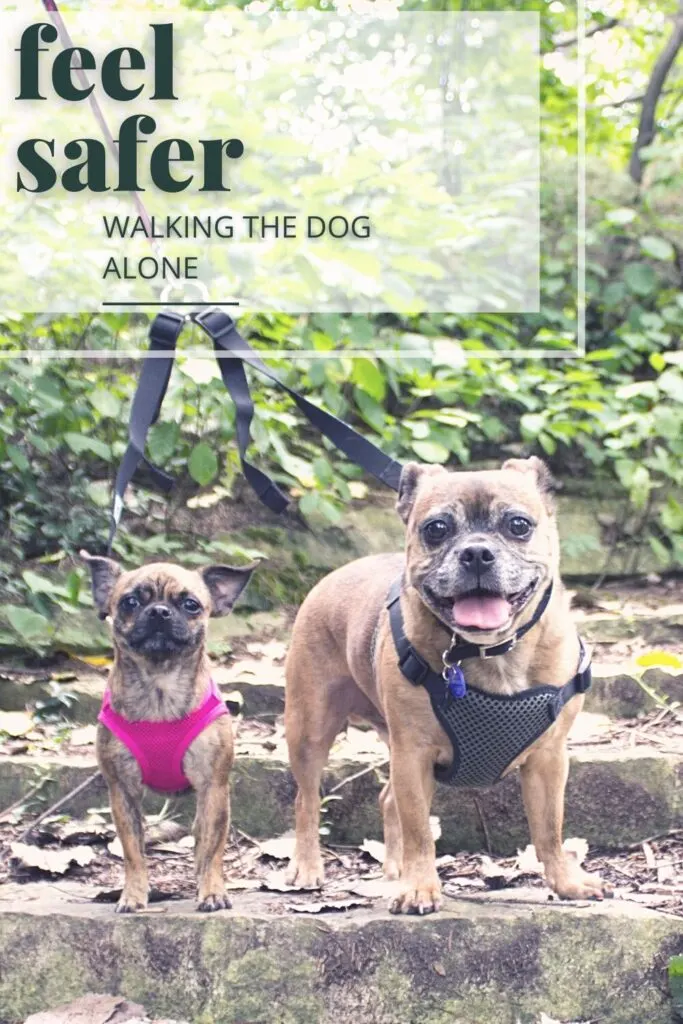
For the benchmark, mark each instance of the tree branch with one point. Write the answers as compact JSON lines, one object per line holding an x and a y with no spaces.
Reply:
{"x":646,"y":126}
{"x":604,"y":26}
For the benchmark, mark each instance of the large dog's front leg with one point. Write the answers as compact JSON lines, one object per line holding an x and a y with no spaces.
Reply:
{"x":544,"y":778}
{"x":412,"y":784}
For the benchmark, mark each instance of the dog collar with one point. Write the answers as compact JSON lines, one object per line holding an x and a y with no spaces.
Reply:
{"x":458,"y":651}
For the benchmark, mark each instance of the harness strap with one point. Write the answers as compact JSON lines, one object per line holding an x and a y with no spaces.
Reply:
{"x":417,"y":671}
{"x":232,"y":352}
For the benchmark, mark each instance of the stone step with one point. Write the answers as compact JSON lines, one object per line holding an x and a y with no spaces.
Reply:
{"x":483,"y":960}
{"x":261,"y":685}
{"x":616,"y":796}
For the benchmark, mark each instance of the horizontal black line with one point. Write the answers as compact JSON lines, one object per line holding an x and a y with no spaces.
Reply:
{"x":170,"y":303}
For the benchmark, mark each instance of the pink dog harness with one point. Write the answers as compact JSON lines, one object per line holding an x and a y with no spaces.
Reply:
{"x":159,"y":747}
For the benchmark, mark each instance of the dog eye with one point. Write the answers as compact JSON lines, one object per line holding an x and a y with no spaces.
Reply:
{"x":191,"y":606}
{"x":519,"y":526}
{"x":436,"y":531}
{"x":130,"y":603}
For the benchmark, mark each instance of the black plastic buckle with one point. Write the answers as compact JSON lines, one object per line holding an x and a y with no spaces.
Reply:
{"x":202,"y":318}
{"x":166,"y":328}
{"x":413,"y":667}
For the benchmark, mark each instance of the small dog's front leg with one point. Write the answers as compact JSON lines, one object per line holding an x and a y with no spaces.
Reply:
{"x":544,"y":777}
{"x":210,"y":833}
{"x":126,"y":811}
{"x":412,"y":786}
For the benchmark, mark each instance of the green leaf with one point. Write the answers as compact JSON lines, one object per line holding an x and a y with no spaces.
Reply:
{"x":369,"y":378}
{"x":431,"y":451}
{"x":31,"y":627}
{"x":203,"y":464}
{"x":622,"y":215}
{"x":107,"y":405}
{"x":162,"y":441}
{"x":18,"y":458}
{"x":640,"y":278}
{"x":657,"y":248}
{"x":79,"y":443}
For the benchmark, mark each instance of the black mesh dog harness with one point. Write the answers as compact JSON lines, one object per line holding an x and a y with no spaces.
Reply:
{"x":487,"y":731}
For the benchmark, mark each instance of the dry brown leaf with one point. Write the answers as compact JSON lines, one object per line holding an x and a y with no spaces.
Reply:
{"x":435,"y":827}
{"x":15,"y":723}
{"x":91,"y":1009}
{"x":527,"y":862}
{"x":281,"y":848}
{"x":322,"y":907}
{"x":275,"y":882}
{"x":374,"y":888}
{"x":495,"y":875}
{"x":84,"y":736}
{"x":439,"y":968}
{"x":650,"y":858}
{"x":54,"y":862}
{"x":579,"y":847}
{"x":374,"y":849}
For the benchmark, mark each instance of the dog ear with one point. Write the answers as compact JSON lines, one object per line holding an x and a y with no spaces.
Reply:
{"x":408,"y":484}
{"x":226,"y":583}
{"x":542,"y":475}
{"x":104,"y":573}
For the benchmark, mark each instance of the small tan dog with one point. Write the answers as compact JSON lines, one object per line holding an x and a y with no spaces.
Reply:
{"x":163,"y":722}
{"x":481,"y":564}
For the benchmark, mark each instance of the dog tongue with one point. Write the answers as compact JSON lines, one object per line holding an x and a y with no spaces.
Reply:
{"x":481,"y":612}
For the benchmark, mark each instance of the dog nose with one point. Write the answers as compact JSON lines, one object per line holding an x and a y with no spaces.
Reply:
{"x":477,"y":556}
{"x":159,"y":611}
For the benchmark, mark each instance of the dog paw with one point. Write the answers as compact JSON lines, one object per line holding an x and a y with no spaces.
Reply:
{"x":214,"y":901}
{"x":130,"y":904}
{"x":579,"y":885}
{"x":422,"y":896}
{"x":305,"y":876}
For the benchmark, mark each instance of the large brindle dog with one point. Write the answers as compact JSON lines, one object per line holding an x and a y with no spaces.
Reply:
{"x":481,"y":563}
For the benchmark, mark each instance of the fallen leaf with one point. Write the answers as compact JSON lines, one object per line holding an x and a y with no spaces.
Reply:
{"x":15,"y":723}
{"x":375,"y":888}
{"x":495,"y":875}
{"x":84,"y":736}
{"x":91,"y":1009}
{"x":374,"y":849}
{"x":115,"y":848}
{"x":75,"y":833}
{"x":435,"y":828}
{"x":527,"y":862}
{"x":327,"y":906}
{"x":439,"y":969}
{"x":281,"y":848}
{"x":579,"y":847}
{"x":53,"y":862}
{"x":650,"y":858}
{"x":275,"y":882}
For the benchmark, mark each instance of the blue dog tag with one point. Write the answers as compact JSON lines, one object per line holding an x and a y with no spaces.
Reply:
{"x":457,"y":687}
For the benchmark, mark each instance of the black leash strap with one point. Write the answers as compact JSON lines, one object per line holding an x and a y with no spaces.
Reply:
{"x":154,"y":378}
{"x":232,"y":352}
{"x":230,"y":346}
